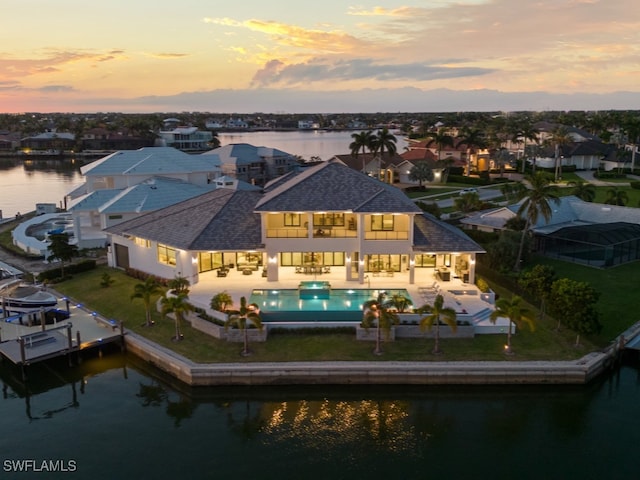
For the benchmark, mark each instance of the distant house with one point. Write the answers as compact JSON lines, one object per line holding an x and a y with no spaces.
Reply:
{"x":308,"y":125}
{"x":49,"y":142}
{"x":187,"y":139}
{"x":384,"y":168}
{"x":251,"y":164}
{"x":102,"y":139}
{"x":581,"y":232}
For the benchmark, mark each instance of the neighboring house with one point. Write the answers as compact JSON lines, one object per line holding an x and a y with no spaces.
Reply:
{"x":383,"y":168}
{"x":414,"y":156}
{"x":129,"y":182}
{"x":255,"y":165}
{"x":187,"y":139}
{"x":581,"y":232}
{"x":103,"y":139}
{"x":308,"y":125}
{"x":50,"y":142}
{"x":585,"y":151}
{"x":328,"y":216}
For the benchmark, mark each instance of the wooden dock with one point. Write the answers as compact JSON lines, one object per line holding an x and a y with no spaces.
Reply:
{"x":23,"y":345}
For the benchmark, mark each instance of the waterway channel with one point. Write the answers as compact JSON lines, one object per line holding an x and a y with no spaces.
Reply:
{"x":117,"y":417}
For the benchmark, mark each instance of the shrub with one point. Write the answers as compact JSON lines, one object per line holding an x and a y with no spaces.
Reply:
{"x":635,"y":185}
{"x":54,"y":275}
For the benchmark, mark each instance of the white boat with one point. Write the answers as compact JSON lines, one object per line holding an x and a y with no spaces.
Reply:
{"x":17,"y":296}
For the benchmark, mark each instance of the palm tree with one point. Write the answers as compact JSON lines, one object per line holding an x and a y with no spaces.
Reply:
{"x":467,"y":202}
{"x":583,"y":190}
{"x":436,"y":313}
{"x":616,"y":196}
{"x":472,"y":138}
{"x":179,"y":285}
{"x":526,"y":131}
{"x":239,"y":318}
{"x":383,"y":140}
{"x":378,"y":313}
{"x":536,"y":203}
{"x":421,"y":172}
{"x":559,"y":137}
{"x":440,"y":139}
{"x":146,"y":291}
{"x":60,"y":249}
{"x":361,"y":141}
{"x":220,"y":301}
{"x":516,"y":313}
{"x":179,"y":306}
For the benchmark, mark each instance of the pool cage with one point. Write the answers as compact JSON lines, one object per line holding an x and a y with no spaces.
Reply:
{"x":599,"y":245}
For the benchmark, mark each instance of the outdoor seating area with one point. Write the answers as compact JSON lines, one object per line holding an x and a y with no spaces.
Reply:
{"x":313,"y":269}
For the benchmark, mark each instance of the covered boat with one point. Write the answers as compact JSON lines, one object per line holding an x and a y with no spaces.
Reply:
{"x":17,"y":296}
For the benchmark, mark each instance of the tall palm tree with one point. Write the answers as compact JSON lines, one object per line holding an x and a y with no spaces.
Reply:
{"x":179,"y":306}
{"x":536,"y":203}
{"x":146,"y":291}
{"x":526,"y":131}
{"x":436,"y":313}
{"x":583,"y":190}
{"x":383,"y":140}
{"x":516,"y":313}
{"x":361,"y":142}
{"x":379,"y":313}
{"x":559,"y":137}
{"x":616,"y":196}
{"x":473,"y":139}
{"x":239,"y":318}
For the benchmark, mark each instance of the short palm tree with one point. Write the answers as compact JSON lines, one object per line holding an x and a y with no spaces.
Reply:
{"x":516,"y":313}
{"x":583,"y":190}
{"x":146,"y":291}
{"x":220,"y":301}
{"x":536,"y":202}
{"x":179,"y":285}
{"x":615,"y":196}
{"x":378,"y":313}
{"x":239,"y":318}
{"x":421,"y":172}
{"x":179,"y":306}
{"x":434,"y":315}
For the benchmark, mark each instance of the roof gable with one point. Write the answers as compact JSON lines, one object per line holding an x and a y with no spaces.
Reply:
{"x":332,"y":186}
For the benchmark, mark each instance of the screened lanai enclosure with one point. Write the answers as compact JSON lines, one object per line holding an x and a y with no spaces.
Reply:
{"x":599,"y":245}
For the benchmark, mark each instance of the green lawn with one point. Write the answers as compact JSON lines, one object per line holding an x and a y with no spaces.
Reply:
{"x":114,"y":302}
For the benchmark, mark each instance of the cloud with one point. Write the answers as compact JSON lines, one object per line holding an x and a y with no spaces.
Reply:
{"x":167,"y":55}
{"x":323,"y":70}
{"x":56,"y":89}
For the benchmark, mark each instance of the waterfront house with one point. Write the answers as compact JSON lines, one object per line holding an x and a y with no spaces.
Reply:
{"x":128,"y":183}
{"x":251,"y":164}
{"x":187,"y":139}
{"x":328,"y":218}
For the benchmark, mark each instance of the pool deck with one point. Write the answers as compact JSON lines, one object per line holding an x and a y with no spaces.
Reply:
{"x":464,"y":298}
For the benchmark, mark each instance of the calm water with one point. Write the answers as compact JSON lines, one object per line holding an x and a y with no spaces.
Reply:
{"x":115,"y":418}
{"x":23,"y":183}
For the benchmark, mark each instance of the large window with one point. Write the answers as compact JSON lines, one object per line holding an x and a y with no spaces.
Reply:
{"x":299,"y":259}
{"x":166,"y":255}
{"x":382,"y":223}
{"x":328,"y":219}
{"x":425,"y":260}
{"x":292,"y":219}
{"x":141,"y":242}
{"x":208,"y":261}
{"x":381,"y":263}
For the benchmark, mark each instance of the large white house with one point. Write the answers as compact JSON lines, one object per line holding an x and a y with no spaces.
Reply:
{"x":130,"y":182}
{"x":328,"y":217}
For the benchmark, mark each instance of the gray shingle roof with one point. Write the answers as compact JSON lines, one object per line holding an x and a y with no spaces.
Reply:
{"x":433,"y":235}
{"x":218,"y":220}
{"x":332,"y":186}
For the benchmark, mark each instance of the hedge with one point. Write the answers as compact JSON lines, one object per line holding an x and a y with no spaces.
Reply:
{"x":56,"y":273}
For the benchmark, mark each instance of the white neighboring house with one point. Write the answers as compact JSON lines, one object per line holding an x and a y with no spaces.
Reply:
{"x":187,"y":139}
{"x":251,"y":164}
{"x":129,"y":182}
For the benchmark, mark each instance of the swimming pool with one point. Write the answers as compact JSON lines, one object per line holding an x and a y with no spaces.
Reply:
{"x":339,"y":306}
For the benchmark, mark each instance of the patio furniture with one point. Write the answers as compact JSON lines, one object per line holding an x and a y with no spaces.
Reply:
{"x":327,"y":269}
{"x":247,"y":271}
{"x":222,"y":272}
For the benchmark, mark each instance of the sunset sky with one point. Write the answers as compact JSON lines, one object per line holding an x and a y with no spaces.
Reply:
{"x":321,"y":56}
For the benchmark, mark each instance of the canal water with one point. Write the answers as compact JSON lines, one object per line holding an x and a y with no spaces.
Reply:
{"x":116,"y":417}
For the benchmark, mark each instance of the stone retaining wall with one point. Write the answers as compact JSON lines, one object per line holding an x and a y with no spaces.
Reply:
{"x":505,"y":372}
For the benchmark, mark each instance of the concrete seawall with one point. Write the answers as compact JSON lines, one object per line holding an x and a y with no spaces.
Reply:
{"x":580,"y":371}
